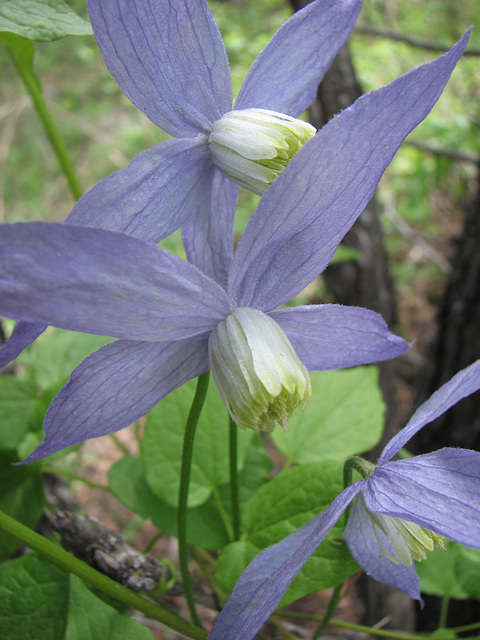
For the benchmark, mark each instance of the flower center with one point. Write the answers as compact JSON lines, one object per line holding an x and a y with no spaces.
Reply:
{"x":252,"y":146}
{"x":257,"y":372}
{"x":409,"y":541}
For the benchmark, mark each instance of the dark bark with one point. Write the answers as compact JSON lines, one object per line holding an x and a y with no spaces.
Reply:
{"x":456,"y":345}
{"x":106,"y":551}
{"x":457,"y":342}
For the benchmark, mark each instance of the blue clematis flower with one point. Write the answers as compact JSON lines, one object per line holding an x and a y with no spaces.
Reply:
{"x":169,"y":59}
{"x":401,"y":509}
{"x":174,"y":322}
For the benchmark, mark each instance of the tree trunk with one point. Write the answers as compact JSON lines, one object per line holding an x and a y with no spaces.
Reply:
{"x":456,"y":345}
{"x":457,"y":342}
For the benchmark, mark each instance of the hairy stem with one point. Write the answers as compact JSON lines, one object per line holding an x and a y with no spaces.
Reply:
{"x":332,"y":605}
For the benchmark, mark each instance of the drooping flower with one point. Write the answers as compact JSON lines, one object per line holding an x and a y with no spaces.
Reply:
{"x":165,"y":311}
{"x":169,"y":59}
{"x":401,"y":509}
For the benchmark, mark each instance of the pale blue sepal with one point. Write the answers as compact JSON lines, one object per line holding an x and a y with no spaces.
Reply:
{"x":208,"y":232}
{"x":154,"y":195}
{"x":115,"y":386}
{"x":332,"y":336}
{"x":168,"y":58}
{"x":439,"y":491}
{"x":364,"y":545}
{"x":101,"y":282}
{"x":285,"y":75}
{"x":263,"y":583}
{"x":23,"y":334}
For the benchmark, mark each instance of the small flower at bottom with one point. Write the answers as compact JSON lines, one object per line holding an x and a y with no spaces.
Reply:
{"x":401,"y":509}
{"x":259,"y":375}
{"x":408,"y":540}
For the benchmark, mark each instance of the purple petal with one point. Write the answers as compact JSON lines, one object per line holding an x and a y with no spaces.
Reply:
{"x":168,"y":58}
{"x":152,"y":197}
{"x":23,"y":334}
{"x":286,"y":74}
{"x":265,"y":580}
{"x":330,"y":336}
{"x":461,"y":385}
{"x":439,"y":491}
{"x":102,"y":282}
{"x":363,"y":544}
{"x":115,"y":386}
{"x":316,"y":199}
{"x":208,"y":234}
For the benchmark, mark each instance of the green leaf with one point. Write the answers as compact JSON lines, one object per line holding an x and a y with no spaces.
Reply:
{"x":91,"y":619}
{"x":280,"y":507}
{"x":39,"y":600}
{"x":468,"y":570}
{"x":439,"y":574}
{"x":163,"y":443}
{"x":41,"y":20}
{"x":345,"y":417}
{"x":33,"y":598}
{"x":21,"y":496}
{"x":128,"y":483}
{"x":17,"y":399}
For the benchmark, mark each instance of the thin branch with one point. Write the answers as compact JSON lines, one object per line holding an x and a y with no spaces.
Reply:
{"x":447,"y":153}
{"x":410,"y":234}
{"x":429,"y":45}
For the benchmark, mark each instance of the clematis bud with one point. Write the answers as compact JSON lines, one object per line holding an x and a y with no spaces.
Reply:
{"x":252,"y":146}
{"x":259,"y":375}
{"x":409,"y":541}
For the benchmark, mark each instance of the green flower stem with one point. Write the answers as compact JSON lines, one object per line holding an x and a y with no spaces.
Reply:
{"x":372,"y":631}
{"x":66,"y":561}
{"x":119,"y":444}
{"x":332,"y":605}
{"x":190,"y":428}
{"x":33,"y":87}
{"x":442,"y":621}
{"x":364,"y":468}
{"x":223,"y":513}
{"x":234,"y":479}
